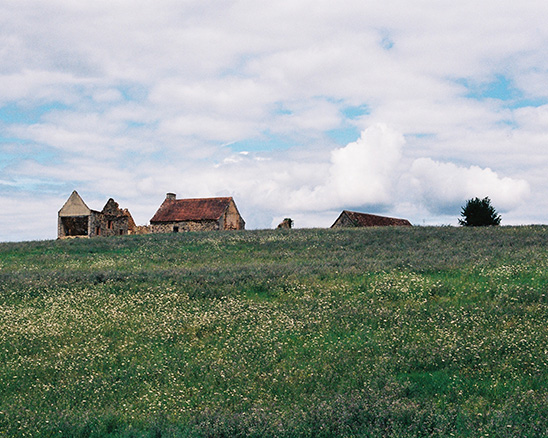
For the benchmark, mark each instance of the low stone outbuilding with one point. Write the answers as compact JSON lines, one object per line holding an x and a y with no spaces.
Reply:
{"x":76,"y":219}
{"x":287,"y":224}
{"x":198,"y":214}
{"x":356,"y":219}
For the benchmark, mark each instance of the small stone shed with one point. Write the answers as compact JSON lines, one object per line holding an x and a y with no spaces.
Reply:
{"x":356,"y":219}
{"x":76,"y":219}
{"x":198,"y":214}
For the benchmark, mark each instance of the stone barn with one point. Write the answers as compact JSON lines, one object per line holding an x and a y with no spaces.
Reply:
{"x":355,"y":219}
{"x":199,"y":214}
{"x":76,"y":219}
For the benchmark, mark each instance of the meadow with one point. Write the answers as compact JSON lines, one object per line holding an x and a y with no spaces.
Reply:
{"x":382,"y":332}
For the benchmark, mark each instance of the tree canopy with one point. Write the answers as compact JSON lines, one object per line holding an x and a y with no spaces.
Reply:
{"x":479,"y":213}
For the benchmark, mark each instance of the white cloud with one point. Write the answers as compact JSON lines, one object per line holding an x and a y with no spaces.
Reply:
{"x":445,"y":186}
{"x":361,"y":173}
{"x":367,"y":174}
{"x":28,"y":218}
{"x":370,"y":173}
{"x":107,"y":95}
{"x":146,"y":97}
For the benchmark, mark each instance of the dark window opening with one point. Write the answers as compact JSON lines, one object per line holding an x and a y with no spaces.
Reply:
{"x":75,"y":225}
{"x":98,"y":231}
{"x":121,"y":232}
{"x":109,"y":225}
{"x":175,"y":229}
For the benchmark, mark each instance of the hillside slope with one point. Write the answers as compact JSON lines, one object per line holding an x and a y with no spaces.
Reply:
{"x":373,"y":332}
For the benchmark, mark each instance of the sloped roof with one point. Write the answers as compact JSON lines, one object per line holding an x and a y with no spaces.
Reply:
{"x":198,"y":209}
{"x":372,"y":220}
{"x":131,"y":223}
{"x":75,"y":206}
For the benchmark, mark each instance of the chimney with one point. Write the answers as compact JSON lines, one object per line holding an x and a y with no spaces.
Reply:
{"x":170,"y":196}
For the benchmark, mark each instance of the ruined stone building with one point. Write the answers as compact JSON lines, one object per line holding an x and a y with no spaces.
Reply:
{"x":355,"y":219}
{"x":287,"y":224}
{"x":76,"y":219}
{"x":179,"y":215}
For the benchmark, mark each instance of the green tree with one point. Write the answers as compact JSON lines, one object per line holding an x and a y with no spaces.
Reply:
{"x":479,"y":213}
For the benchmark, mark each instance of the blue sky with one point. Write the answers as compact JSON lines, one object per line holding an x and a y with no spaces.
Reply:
{"x":296,"y":108}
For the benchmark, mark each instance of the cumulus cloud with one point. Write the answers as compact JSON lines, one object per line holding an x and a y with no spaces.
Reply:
{"x":445,"y":186}
{"x":167,"y":93}
{"x":370,"y":174}
{"x":361,"y":173}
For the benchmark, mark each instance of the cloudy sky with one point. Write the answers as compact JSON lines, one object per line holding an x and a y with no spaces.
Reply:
{"x":296,"y":108}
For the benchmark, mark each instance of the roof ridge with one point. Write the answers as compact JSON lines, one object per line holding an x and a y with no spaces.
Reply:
{"x":186,"y":209}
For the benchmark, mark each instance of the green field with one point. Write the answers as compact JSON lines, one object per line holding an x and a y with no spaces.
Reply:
{"x":392,"y":332}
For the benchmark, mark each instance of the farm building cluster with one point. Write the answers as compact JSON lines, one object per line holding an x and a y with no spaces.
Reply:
{"x":76,"y":219}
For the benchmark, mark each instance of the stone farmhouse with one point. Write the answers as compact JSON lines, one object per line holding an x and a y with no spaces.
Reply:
{"x":76,"y":219}
{"x":199,"y":214}
{"x":356,"y":219}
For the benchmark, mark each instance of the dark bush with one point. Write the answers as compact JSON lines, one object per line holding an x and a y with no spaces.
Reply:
{"x":479,"y":213}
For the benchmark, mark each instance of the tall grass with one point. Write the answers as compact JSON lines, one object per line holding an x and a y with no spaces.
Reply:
{"x":299,"y":333}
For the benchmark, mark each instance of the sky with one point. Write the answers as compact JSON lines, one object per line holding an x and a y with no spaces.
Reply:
{"x":296,"y":108}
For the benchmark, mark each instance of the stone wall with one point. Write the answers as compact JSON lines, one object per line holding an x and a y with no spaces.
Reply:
{"x":181,"y":227}
{"x":343,"y":221}
{"x":231,"y":219}
{"x":140,"y":229}
{"x":106,"y":225}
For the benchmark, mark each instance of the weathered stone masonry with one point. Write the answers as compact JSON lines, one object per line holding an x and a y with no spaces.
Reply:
{"x":76,"y":219}
{"x":200,"y":214}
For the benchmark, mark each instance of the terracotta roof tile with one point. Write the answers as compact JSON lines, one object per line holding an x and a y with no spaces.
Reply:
{"x":176,"y":210}
{"x":371,"y":220}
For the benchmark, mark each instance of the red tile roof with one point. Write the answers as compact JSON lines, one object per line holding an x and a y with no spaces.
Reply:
{"x":371,"y":220}
{"x":177,"y":210}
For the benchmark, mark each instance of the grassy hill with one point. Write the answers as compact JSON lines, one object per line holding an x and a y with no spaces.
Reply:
{"x":397,"y":332}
